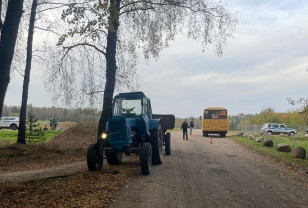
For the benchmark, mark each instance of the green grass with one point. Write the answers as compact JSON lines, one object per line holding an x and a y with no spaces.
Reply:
{"x":8,"y":134}
{"x":234,"y":132}
{"x":9,"y":137}
{"x":51,"y":134}
{"x":288,"y":158}
{"x":175,"y":129}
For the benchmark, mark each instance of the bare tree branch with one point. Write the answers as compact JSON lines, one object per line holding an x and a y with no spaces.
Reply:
{"x":137,"y":9}
{"x":171,"y":3}
{"x":36,"y":57}
{"x":51,"y":3}
{"x":48,"y":30}
{"x":84,"y":44}
{"x":19,"y":71}
{"x":93,"y":92}
{"x":51,"y":8}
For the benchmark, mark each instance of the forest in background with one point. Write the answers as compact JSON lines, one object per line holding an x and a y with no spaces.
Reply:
{"x":236,"y":122}
{"x":62,"y":114}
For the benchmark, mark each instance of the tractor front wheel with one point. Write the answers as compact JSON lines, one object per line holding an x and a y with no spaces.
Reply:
{"x":94,"y":158}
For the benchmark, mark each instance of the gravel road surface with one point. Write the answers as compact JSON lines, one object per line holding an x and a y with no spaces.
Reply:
{"x":222,"y":174}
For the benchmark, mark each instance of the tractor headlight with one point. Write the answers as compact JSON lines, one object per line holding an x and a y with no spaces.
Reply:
{"x":132,"y":134}
{"x":104,"y":135}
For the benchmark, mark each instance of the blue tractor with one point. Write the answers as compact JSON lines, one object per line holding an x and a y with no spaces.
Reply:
{"x":132,"y":128}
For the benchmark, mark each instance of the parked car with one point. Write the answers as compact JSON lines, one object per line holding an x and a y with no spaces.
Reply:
{"x":277,"y":128}
{"x":9,"y":122}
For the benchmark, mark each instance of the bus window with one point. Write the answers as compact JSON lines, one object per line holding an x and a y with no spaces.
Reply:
{"x":215,"y":114}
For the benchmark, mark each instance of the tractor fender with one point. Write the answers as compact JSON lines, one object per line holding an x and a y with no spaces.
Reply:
{"x":154,"y":123}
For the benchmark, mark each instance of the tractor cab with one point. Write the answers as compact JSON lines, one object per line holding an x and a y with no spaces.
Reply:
{"x":130,"y":121}
{"x":131,"y":105}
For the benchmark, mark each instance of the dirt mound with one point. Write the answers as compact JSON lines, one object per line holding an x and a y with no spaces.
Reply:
{"x":78,"y":136}
{"x":67,"y":124}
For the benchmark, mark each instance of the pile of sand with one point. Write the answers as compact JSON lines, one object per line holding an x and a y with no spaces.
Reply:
{"x":78,"y":136}
{"x":66,"y":125}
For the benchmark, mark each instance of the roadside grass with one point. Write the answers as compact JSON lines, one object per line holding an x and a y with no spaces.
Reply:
{"x":10,"y":137}
{"x":35,"y":154}
{"x":300,"y":141}
{"x":175,"y":129}
{"x":234,"y":132}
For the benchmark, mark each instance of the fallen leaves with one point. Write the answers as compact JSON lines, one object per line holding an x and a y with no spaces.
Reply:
{"x":85,"y":189}
{"x":20,"y":157}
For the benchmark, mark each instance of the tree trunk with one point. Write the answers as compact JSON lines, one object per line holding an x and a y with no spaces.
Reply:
{"x":7,"y":45}
{"x":111,"y":66}
{"x":23,"y":110}
{"x":1,"y":25}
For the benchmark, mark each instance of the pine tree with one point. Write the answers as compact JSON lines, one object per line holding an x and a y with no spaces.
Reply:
{"x":34,"y":132}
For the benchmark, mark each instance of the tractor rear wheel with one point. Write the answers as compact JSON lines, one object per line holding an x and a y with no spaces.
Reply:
{"x":168,"y":144}
{"x":114,"y":158}
{"x":157,"y":145}
{"x":94,"y":158}
{"x":146,"y":158}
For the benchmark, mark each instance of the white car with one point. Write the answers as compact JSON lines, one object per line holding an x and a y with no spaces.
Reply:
{"x":9,"y":122}
{"x":277,"y":128}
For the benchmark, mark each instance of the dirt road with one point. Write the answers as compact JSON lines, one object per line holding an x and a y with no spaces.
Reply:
{"x":222,"y":174}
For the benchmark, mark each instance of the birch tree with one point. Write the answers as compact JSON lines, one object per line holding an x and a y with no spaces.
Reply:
{"x":22,"y":125}
{"x":121,"y":32}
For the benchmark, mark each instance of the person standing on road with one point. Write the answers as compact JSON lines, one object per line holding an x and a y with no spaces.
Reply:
{"x":184,"y":129}
{"x":192,"y":125}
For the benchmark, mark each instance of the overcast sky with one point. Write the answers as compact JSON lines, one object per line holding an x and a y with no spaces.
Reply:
{"x":265,"y":63}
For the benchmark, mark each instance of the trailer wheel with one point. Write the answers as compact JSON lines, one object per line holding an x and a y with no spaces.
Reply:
{"x":146,"y":158}
{"x":157,"y":145}
{"x":114,"y":158}
{"x":94,"y":158}
{"x":168,"y":144}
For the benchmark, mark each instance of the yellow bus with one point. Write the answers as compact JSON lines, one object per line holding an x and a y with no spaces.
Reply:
{"x":215,"y":121}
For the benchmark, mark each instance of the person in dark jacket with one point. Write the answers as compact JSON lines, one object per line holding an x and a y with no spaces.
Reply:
{"x":192,"y":125}
{"x":184,"y":128}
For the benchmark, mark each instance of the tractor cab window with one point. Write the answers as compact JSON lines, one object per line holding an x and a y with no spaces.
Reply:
{"x":127,"y":107}
{"x":145,"y":107}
